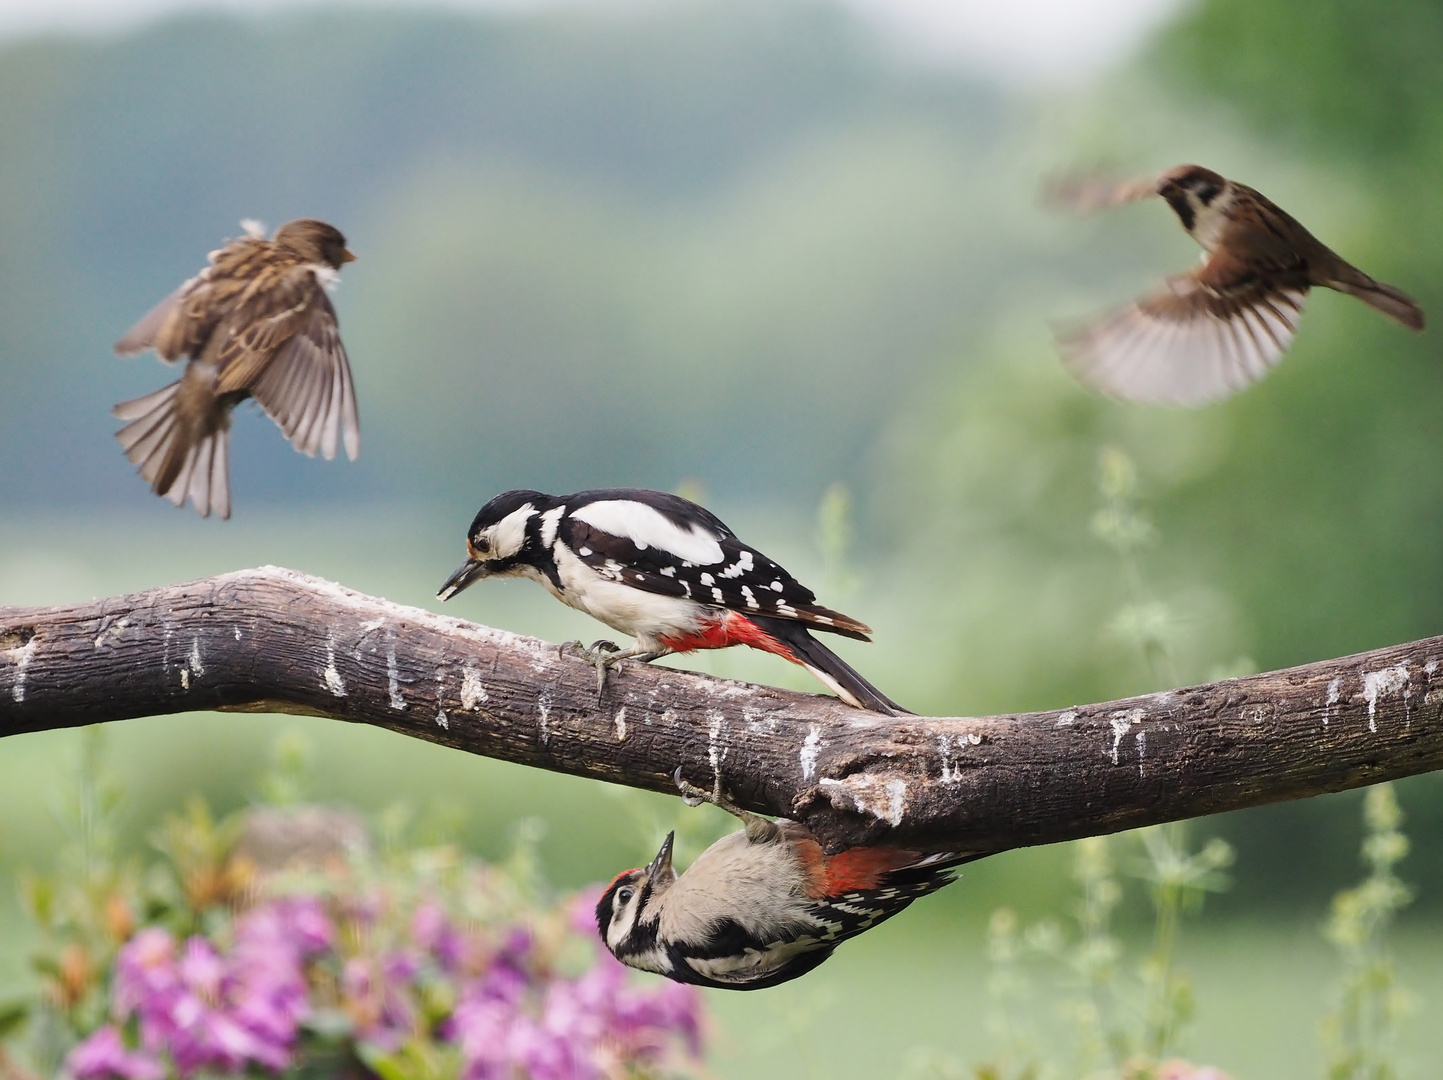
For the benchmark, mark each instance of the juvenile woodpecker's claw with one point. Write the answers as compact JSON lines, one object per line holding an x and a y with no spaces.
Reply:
{"x":690,"y":793}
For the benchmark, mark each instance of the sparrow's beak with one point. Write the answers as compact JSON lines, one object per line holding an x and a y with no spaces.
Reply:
{"x":346,"y":256}
{"x":660,"y":868}
{"x":469,"y":571}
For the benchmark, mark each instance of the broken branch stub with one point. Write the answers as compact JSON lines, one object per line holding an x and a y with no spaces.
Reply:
{"x":273,"y":640}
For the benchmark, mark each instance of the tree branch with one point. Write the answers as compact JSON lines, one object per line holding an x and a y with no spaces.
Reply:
{"x":273,"y":640}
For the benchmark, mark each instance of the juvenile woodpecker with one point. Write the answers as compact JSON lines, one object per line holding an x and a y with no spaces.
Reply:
{"x":761,"y":906}
{"x":664,"y":570}
{"x":255,"y":323}
{"x":1208,"y":333}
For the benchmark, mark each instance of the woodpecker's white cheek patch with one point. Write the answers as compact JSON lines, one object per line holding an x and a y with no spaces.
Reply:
{"x":646,"y":528}
{"x":509,"y":534}
{"x":550,"y":521}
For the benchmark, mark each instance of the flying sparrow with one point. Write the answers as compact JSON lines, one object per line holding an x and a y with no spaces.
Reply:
{"x":255,"y":323}
{"x":1210,"y":333}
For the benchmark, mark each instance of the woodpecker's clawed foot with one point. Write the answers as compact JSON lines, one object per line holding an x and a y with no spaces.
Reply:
{"x":695,"y":796}
{"x":690,"y":793}
{"x":600,"y":655}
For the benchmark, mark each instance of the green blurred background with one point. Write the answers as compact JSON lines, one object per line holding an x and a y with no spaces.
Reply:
{"x":757,"y":251}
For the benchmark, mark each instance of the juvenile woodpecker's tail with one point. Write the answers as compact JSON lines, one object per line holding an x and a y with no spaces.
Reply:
{"x":180,"y":460}
{"x":827,"y":666}
{"x":1394,"y":303}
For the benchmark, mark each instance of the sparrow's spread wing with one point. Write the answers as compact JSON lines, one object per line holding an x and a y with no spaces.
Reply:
{"x":303,"y":379}
{"x":146,"y":333}
{"x":1090,"y":193}
{"x":1202,"y":338}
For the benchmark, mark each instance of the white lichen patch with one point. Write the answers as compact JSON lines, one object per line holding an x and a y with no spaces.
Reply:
{"x":715,"y":752}
{"x":885,"y":800}
{"x":330,"y":677}
{"x":473,"y":694}
{"x":1335,"y":689}
{"x":619,"y":722}
{"x":543,"y":713}
{"x":185,"y":678}
{"x":21,"y":656}
{"x":113,"y":630}
{"x":811,"y":747}
{"x":1379,"y":684}
{"x":1067,"y":719}
{"x":193,"y":660}
{"x":442,"y":720}
{"x":393,"y":682}
{"x":1121,"y":724}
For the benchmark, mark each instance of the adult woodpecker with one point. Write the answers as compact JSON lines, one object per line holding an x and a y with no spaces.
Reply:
{"x":254,"y":323}
{"x":761,"y":906}
{"x":664,"y":570}
{"x":1208,"y":333}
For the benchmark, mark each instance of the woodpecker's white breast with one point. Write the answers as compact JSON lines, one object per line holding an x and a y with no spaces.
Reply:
{"x":644,"y":615}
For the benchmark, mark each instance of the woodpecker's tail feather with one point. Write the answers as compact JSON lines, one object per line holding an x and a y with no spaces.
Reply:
{"x":1394,"y":303}
{"x":827,"y":666}
{"x":178,"y":463}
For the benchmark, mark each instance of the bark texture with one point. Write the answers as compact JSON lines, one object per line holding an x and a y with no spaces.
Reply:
{"x":273,"y":640}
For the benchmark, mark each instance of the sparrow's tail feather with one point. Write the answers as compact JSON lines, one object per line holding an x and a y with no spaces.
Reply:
{"x":178,"y":463}
{"x":828,"y":667}
{"x":1394,"y":303}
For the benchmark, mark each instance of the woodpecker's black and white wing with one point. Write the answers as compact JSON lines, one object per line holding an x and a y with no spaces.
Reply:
{"x":1202,"y":338}
{"x":731,"y":956}
{"x":662,"y":543}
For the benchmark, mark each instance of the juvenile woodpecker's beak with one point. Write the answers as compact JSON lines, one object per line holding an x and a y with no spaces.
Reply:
{"x":660,"y":868}
{"x":469,"y":571}
{"x":346,"y":256}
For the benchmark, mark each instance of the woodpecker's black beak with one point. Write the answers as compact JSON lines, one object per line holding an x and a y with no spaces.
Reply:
{"x":661,"y":865}
{"x":469,"y":571}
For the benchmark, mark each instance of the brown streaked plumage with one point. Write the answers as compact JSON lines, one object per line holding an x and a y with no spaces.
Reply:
{"x":255,"y":323}
{"x":1209,"y":333}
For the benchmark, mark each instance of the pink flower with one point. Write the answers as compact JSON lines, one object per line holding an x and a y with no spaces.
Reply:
{"x":104,"y":1056}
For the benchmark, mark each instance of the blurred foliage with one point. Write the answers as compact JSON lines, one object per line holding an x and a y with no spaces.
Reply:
{"x":1360,"y":1034}
{"x":1124,"y":1016}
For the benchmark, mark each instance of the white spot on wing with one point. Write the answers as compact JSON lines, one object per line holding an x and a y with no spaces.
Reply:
{"x":741,"y":566}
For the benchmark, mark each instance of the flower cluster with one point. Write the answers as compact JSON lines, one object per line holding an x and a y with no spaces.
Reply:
{"x":198,"y":1007}
{"x":399,"y":979}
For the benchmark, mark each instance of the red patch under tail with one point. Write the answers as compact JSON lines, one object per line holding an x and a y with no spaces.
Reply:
{"x":732,"y":628}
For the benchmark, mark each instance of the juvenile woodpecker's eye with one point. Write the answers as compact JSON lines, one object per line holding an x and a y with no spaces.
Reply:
{"x":624,"y":895}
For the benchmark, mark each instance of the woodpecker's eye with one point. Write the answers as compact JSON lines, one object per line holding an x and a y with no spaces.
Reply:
{"x":624,"y":895}
{"x":481,"y":545}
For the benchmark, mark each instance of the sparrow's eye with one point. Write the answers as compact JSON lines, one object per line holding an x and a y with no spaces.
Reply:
{"x":624,"y":895}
